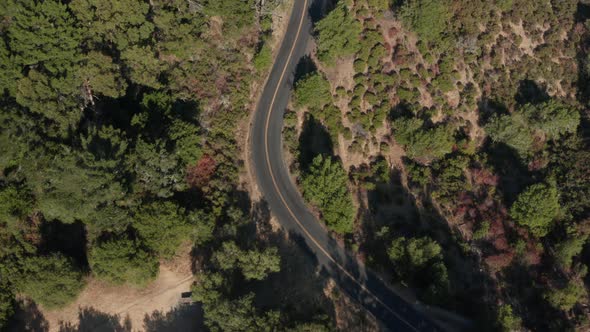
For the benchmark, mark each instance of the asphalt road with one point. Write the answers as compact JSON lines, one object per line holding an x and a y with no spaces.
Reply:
{"x":287,"y":205}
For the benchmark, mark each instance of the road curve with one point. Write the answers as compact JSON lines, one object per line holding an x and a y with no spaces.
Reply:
{"x":286,"y":203}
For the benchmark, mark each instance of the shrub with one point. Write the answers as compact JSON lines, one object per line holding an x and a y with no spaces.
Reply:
{"x":536,"y":208}
{"x":121,"y":261}
{"x":325,"y":185}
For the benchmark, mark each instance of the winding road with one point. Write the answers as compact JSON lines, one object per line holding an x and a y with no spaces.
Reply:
{"x":287,"y":205}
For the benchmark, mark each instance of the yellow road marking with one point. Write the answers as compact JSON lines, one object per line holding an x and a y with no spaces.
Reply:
{"x":267,"y":124}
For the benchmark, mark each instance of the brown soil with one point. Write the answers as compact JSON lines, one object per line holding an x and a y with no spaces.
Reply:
{"x":129,"y":303}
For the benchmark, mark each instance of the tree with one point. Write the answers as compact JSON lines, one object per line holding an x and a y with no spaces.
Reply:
{"x":254,"y":264}
{"x":536,"y":208}
{"x":512,"y":130}
{"x":428,"y":18}
{"x":122,"y":260}
{"x":507,"y":320}
{"x":552,"y":117}
{"x":58,"y":100}
{"x":413,"y":255}
{"x":565,"y":298}
{"x":162,"y":226}
{"x":338,"y":35}
{"x":423,"y":144}
{"x":236,"y":14}
{"x":43,"y":34}
{"x":15,"y":203}
{"x":313,"y":91}
{"x":101,"y":76}
{"x":68,"y":191}
{"x":7,"y":303}
{"x":420,"y":261}
{"x":120,"y":22}
{"x":144,"y":67}
{"x":325,"y":185}
{"x":52,"y":281}
{"x":568,"y":249}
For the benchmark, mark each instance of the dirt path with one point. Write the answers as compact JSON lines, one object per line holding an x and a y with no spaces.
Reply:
{"x":126,"y":306}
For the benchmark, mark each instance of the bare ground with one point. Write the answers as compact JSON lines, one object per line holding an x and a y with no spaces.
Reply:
{"x":127,"y":303}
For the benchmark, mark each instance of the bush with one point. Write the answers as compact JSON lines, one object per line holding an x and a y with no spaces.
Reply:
{"x":325,"y":185}
{"x":121,"y":261}
{"x":313,"y":91}
{"x":536,"y":208}
{"x":52,"y":281}
{"x":337,"y":35}
{"x":420,"y":143}
{"x":428,"y":18}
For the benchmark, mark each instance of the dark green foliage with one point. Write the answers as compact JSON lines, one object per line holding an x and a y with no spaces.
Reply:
{"x":114,"y":22}
{"x":565,"y":298}
{"x":122,"y":260}
{"x":337,"y":35}
{"x":507,"y":320}
{"x":32,"y":33}
{"x":423,"y":144}
{"x":162,"y":226}
{"x":428,"y":18}
{"x":52,"y":281}
{"x":235,"y":13}
{"x":518,"y":130}
{"x":7,"y":302}
{"x":313,"y":91}
{"x":254,"y":264}
{"x":420,"y":261}
{"x":536,"y":208}
{"x":326,"y":186}
{"x":568,"y":249}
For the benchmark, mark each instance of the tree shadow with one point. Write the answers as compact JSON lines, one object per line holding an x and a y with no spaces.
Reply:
{"x":513,"y":174}
{"x":305,"y":66}
{"x":298,"y":288}
{"x":188,"y":317}
{"x":314,"y":140}
{"x":69,"y":239}
{"x":27,"y":317}
{"x":530,"y":92}
{"x":394,"y":211}
{"x":320,"y":8}
{"x":92,"y":320}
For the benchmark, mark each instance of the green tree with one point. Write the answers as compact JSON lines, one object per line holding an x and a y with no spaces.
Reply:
{"x":43,"y":33}
{"x":313,"y":91}
{"x":122,"y":260}
{"x":52,"y":281}
{"x":119,"y":22}
{"x":162,"y":226}
{"x":553,"y":118}
{"x":236,"y":14}
{"x":420,"y":262}
{"x":325,"y":185}
{"x":514,"y":131}
{"x":7,"y":303}
{"x":144,"y":66}
{"x":101,"y":76}
{"x":507,"y":320}
{"x":68,"y":191}
{"x":15,"y":203}
{"x":254,"y":264}
{"x":423,"y":144}
{"x":338,"y":35}
{"x":536,"y":208}
{"x":428,"y":18}
{"x":568,"y":249}
{"x":57,"y":99}
{"x":565,"y":298}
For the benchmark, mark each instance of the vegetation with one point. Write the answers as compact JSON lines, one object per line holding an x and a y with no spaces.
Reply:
{"x":325,"y":186}
{"x":536,"y":208}
{"x":337,"y":34}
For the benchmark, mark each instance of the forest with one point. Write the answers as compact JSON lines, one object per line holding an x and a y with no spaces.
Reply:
{"x":117,"y":149}
{"x":445,"y":142}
